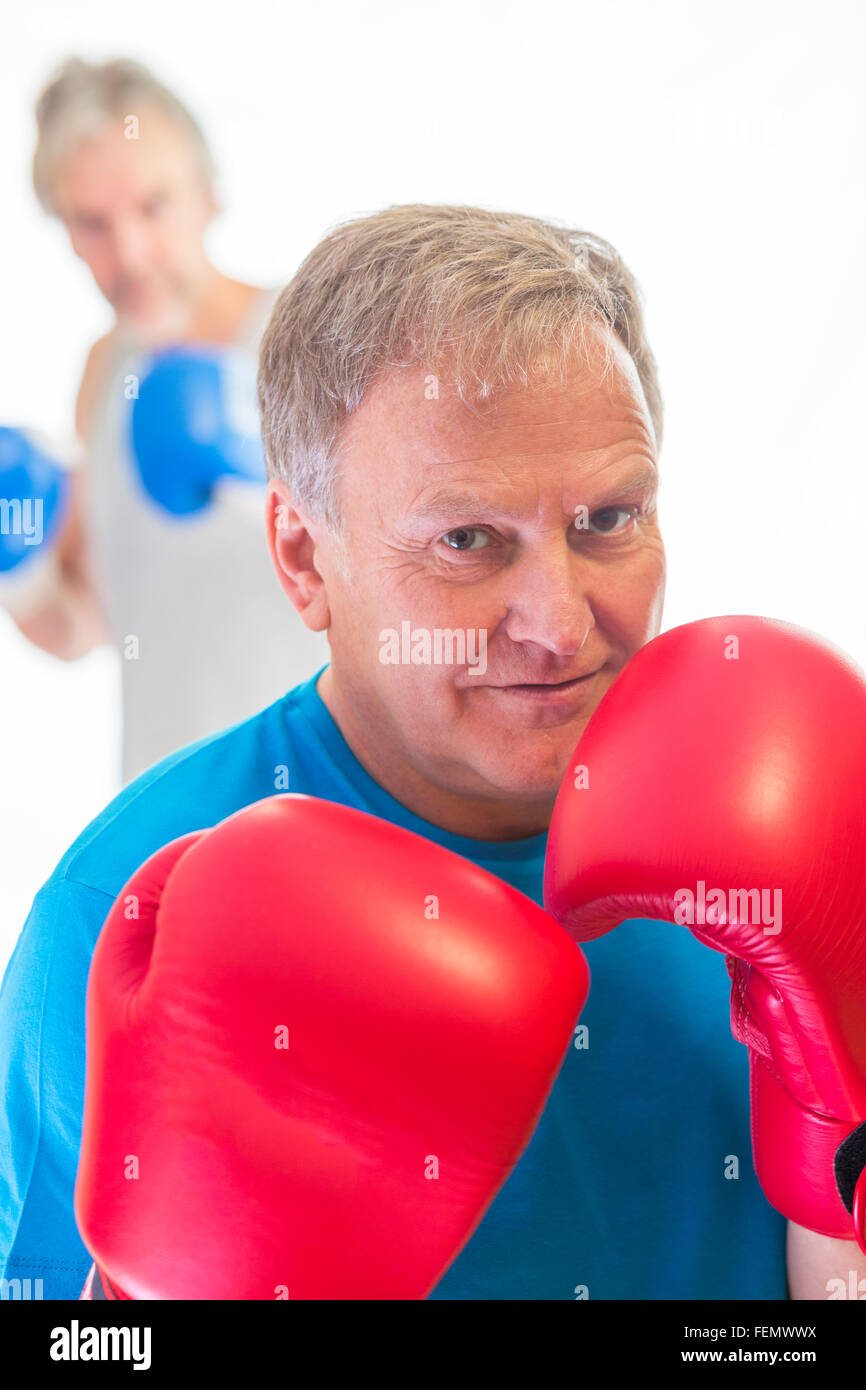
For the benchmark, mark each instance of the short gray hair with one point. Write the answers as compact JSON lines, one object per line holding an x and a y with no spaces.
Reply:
{"x":82,"y":98}
{"x":492,"y":294}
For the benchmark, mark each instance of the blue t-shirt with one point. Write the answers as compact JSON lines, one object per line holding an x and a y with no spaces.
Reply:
{"x":638,"y":1182}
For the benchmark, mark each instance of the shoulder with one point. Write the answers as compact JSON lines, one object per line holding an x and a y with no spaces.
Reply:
{"x":191,"y":789}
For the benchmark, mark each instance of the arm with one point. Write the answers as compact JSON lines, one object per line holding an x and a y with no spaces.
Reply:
{"x":66,"y":617}
{"x":821,"y":1267}
{"x":68,"y":621}
{"x":727,"y":797}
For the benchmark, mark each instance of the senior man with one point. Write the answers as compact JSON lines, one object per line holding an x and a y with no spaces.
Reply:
{"x":463,"y":422}
{"x":124,"y":166}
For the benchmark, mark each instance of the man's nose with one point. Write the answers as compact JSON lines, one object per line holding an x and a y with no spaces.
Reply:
{"x":548,"y":600}
{"x":129,"y":244}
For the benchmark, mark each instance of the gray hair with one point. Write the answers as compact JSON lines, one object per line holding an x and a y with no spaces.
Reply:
{"x":492,"y":294}
{"x":82,"y":98}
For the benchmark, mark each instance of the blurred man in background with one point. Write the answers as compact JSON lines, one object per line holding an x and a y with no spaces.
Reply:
{"x":173,"y":585}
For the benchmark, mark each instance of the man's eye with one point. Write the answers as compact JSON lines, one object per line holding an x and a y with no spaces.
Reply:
{"x":608,"y":519}
{"x":464,"y":538}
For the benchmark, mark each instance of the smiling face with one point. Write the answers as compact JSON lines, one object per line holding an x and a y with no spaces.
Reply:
{"x":532,"y":519}
{"x":136,"y":212}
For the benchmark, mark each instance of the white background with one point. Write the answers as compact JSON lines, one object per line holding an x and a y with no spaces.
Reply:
{"x":721,"y":149}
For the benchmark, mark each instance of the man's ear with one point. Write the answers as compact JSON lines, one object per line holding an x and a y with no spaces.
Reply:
{"x":294,"y":543}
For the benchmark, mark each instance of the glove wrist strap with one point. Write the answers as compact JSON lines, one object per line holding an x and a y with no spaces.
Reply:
{"x":795,"y":1157}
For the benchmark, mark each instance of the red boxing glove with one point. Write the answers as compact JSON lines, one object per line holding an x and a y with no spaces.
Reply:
{"x":313,"y":1058}
{"x":725,"y":792}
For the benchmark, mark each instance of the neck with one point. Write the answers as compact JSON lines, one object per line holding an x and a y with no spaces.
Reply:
{"x":215,"y":312}
{"x":220,"y":308}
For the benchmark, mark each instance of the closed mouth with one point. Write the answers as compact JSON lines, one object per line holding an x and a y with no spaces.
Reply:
{"x":570,"y":684}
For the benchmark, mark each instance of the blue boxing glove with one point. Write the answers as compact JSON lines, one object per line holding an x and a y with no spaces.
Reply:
{"x":34,"y":500}
{"x":194,"y":422}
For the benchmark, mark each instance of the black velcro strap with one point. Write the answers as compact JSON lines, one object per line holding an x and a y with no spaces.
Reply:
{"x":849,"y":1163}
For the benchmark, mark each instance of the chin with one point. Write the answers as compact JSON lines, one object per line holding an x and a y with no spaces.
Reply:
{"x":153,"y":311}
{"x":532,"y":779}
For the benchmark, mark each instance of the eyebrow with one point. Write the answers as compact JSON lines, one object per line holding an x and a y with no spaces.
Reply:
{"x":444,"y":504}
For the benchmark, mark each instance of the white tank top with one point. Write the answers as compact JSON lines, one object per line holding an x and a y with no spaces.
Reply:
{"x":206,"y":635}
